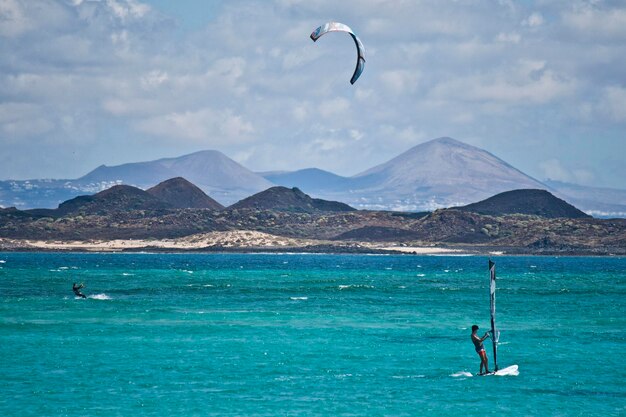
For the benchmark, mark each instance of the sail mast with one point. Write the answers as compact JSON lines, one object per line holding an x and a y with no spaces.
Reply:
{"x":492,"y":303}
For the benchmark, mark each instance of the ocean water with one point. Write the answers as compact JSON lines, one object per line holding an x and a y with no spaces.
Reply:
{"x":300,"y":335}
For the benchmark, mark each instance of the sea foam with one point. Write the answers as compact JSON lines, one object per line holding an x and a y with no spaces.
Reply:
{"x":102,"y":296}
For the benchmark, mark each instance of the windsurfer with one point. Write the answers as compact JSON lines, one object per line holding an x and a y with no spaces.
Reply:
{"x":480,"y":349}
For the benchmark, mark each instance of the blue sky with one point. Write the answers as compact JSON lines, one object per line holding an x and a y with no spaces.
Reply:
{"x":541,"y":84}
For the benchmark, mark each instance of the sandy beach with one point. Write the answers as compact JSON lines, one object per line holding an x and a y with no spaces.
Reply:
{"x":230,"y":240}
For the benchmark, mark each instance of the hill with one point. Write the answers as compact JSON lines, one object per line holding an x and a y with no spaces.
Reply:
{"x":530,"y":202}
{"x":597,"y":201}
{"x":119,"y":198}
{"x":180,"y":193}
{"x":289,"y":199}
{"x":309,"y":179}
{"x":441,"y":173}
{"x":211,"y":171}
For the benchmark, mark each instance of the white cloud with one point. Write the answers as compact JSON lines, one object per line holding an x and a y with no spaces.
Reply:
{"x":250,"y":81}
{"x":400,"y":81}
{"x":528,"y":83}
{"x":13,"y":19}
{"x":334,"y":108}
{"x":125,"y":9}
{"x":511,"y":37}
{"x":154,"y":79}
{"x":19,"y":120}
{"x":216,"y":126}
{"x":534,"y":20}
{"x":553,"y":169}
{"x":615,"y":103}
{"x":593,"y":22}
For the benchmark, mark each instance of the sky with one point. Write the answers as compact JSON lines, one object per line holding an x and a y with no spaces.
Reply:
{"x":540,"y":84}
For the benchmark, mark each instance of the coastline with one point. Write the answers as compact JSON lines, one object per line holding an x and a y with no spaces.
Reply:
{"x":231,"y":241}
{"x":247,"y":241}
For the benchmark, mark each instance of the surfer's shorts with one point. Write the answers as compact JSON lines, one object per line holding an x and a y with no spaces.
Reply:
{"x":480,"y":351}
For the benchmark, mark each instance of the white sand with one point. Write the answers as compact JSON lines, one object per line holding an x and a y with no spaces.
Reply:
{"x":240,"y":239}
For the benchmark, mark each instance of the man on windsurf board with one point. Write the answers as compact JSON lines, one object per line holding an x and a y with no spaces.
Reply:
{"x":480,"y":349}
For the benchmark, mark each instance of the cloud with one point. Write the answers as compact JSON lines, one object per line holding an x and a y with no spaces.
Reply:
{"x":614,"y":103}
{"x":400,"y":81}
{"x":511,"y":37}
{"x":553,"y":169}
{"x":534,"y":20}
{"x":18,"y":120}
{"x":527,"y":83}
{"x":220,"y":126}
{"x":129,"y":9}
{"x":250,"y":82}
{"x":593,"y":21}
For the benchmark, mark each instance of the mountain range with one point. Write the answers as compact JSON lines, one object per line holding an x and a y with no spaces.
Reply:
{"x":518,"y":221}
{"x":443,"y":172}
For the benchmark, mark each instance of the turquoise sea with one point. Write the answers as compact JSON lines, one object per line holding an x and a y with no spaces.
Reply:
{"x":300,"y":335}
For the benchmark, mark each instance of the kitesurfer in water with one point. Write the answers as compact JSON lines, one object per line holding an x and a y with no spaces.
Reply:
{"x":76,"y":289}
{"x":480,"y":349}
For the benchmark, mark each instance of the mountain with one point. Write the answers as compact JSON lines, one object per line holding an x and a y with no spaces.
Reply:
{"x":309,"y":179}
{"x":532,"y":202}
{"x":211,"y":171}
{"x":440,"y":173}
{"x":597,"y":201}
{"x":180,"y":193}
{"x":289,"y":199}
{"x":119,"y":198}
{"x":443,"y":172}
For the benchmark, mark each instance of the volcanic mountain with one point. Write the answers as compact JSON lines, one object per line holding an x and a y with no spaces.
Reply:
{"x":211,"y":171}
{"x":440,"y":173}
{"x":309,"y":179}
{"x":180,"y":193}
{"x":289,"y":199}
{"x":532,"y":202}
{"x":115,"y":199}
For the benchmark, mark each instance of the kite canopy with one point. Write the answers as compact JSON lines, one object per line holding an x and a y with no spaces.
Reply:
{"x":360,"y":50}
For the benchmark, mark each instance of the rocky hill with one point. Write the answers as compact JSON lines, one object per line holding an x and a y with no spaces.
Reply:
{"x":531,"y":202}
{"x":443,"y":172}
{"x":119,"y":198}
{"x":440,"y":173}
{"x":212,"y":171}
{"x":289,"y":199}
{"x":180,"y":193}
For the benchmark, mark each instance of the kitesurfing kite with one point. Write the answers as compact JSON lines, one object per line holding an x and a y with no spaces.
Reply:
{"x":360,"y":50}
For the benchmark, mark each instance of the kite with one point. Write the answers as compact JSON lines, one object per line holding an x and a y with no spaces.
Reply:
{"x":360,"y":50}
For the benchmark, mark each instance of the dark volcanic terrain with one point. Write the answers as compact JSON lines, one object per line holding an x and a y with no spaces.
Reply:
{"x":545,"y":224}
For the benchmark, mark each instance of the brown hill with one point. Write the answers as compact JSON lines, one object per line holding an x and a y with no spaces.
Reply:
{"x":180,"y":193}
{"x":530,"y":201}
{"x":115,"y":199}
{"x":289,"y":199}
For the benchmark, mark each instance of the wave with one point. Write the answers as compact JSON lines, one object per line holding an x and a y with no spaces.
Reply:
{"x":101,"y":296}
{"x":298,"y":298}
{"x":461,"y":374}
{"x":345,"y":287}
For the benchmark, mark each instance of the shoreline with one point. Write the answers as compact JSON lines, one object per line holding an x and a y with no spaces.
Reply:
{"x":260,"y":242}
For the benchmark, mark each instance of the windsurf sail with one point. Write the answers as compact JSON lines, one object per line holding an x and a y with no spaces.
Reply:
{"x":495,"y":335}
